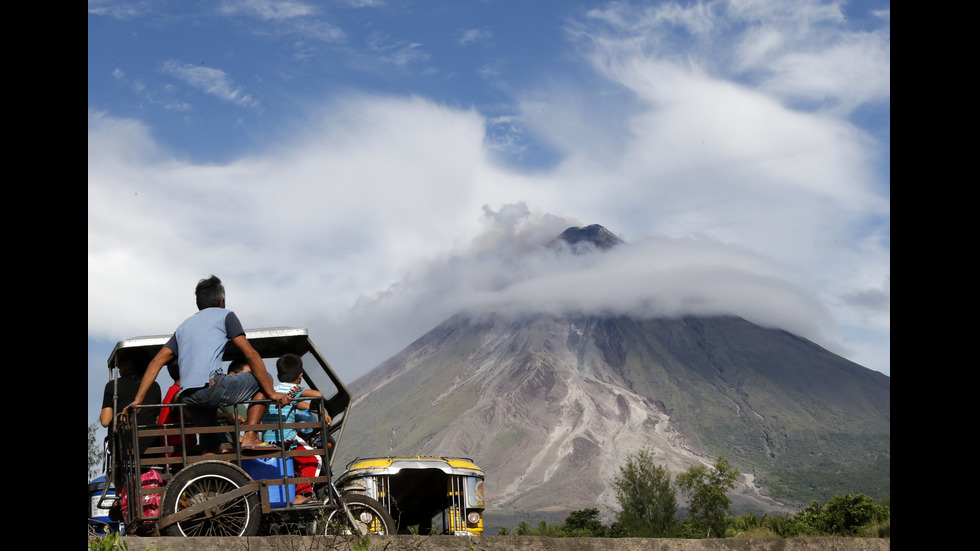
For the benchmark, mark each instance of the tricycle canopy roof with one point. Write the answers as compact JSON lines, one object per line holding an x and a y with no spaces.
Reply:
{"x":393,"y":464}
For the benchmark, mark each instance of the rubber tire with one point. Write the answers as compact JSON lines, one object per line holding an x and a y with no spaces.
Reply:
{"x":378,"y":519}
{"x":237,"y":518}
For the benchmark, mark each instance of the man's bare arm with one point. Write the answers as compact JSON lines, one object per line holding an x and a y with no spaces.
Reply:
{"x":258,"y":370}
{"x":105,"y":416}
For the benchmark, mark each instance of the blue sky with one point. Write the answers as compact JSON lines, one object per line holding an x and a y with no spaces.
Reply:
{"x":366,"y":168}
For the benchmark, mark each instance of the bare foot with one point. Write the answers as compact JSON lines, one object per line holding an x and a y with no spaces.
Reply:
{"x":250,"y":439}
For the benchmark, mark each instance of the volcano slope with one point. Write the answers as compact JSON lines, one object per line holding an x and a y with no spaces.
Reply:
{"x":552,"y":406}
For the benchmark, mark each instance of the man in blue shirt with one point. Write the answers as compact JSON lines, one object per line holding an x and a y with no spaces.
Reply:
{"x":200,"y":343}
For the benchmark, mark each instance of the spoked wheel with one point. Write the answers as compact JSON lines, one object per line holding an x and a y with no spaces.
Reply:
{"x":370,"y":517}
{"x":202,"y":482}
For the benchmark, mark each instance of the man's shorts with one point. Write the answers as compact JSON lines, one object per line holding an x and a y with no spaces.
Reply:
{"x":226,"y":390}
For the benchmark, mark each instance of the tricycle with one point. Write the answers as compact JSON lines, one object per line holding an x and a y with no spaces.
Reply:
{"x":425,"y":494}
{"x":170,"y":488}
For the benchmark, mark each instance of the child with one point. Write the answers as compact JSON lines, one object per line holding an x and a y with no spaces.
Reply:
{"x":289,"y":369}
{"x":227,"y":414}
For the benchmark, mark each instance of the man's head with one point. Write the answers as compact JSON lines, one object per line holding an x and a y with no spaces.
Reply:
{"x":126,"y":362}
{"x":289,"y":368}
{"x":210,"y":293}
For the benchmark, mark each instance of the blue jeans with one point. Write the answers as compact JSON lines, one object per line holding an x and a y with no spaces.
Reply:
{"x":204,"y":403}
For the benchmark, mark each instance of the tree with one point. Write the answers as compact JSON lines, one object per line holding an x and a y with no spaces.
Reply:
{"x":584,"y":524}
{"x":710,"y":504}
{"x":847,"y":515}
{"x":95,"y":454}
{"x":808,"y":521}
{"x":646,"y":497}
{"x":547,"y":530}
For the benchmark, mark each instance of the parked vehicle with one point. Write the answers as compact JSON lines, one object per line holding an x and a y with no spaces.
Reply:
{"x":423,"y":494}
{"x":99,"y":522}
{"x":177,"y":491}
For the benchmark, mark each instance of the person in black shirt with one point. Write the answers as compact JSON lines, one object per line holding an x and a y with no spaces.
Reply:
{"x":128,"y":383}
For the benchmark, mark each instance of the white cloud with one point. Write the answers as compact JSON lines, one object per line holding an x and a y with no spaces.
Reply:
{"x":396,"y":52}
{"x":797,"y":50}
{"x":851,"y":73}
{"x":288,"y":16}
{"x":211,"y":81}
{"x":365,"y":3}
{"x":119,"y":9}
{"x":475,"y":35}
{"x":268,"y":10}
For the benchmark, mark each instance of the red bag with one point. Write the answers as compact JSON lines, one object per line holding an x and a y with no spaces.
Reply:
{"x":151,"y":502}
